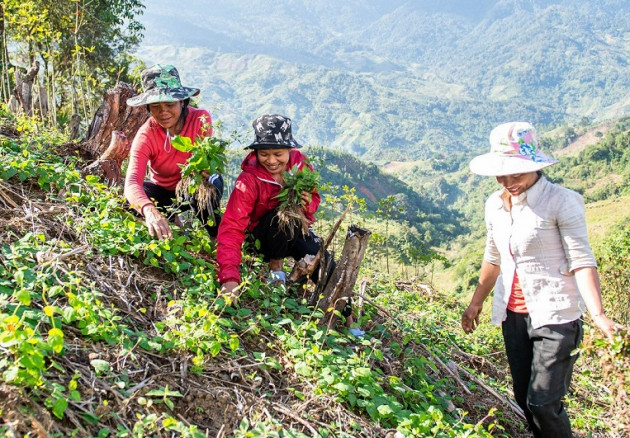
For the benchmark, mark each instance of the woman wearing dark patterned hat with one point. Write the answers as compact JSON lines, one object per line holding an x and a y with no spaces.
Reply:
{"x":252,"y":206}
{"x":168,"y":101}
{"x":540,"y":265}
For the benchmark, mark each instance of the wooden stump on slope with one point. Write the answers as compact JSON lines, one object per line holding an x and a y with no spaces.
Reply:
{"x":110,"y":133}
{"x":341,"y":281}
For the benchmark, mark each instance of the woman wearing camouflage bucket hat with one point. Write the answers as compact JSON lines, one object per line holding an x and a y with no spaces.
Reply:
{"x":252,"y":206}
{"x":168,"y":102}
{"x":540,"y":264}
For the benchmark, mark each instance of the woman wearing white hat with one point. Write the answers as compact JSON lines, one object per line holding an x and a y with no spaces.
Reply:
{"x":539,"y":262}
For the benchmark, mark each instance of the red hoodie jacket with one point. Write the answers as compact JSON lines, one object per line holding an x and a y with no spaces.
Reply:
{"x":151,"y":148}
{"x":251,"y":199}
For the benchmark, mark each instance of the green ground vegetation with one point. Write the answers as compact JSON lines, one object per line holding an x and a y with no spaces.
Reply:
{"x":106,"y":332}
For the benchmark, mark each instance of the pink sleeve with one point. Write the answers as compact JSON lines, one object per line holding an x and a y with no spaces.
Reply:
{"x":233,"y":226}
{"x":136,"y":171}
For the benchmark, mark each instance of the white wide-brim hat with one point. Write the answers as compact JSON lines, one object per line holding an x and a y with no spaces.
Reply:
{"x":513,"y":149}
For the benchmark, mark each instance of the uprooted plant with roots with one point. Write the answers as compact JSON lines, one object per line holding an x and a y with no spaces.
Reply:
{"x":208,"y":155}
{"x":291,"y":209}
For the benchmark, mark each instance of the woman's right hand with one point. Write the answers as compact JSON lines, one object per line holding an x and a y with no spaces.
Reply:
{"x":230,"y":291}
{"x":156,"y":223}
{"x":470,"y":318}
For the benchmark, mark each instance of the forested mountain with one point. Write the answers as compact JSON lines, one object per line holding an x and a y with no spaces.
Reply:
{"x":398,"y":79}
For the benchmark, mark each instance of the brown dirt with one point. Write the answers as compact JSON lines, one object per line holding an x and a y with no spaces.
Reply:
{"x":584,"y":140}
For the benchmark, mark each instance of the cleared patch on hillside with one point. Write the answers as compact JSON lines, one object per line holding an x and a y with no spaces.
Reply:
{"x":601,"y":216}
{"x":590,"y":137}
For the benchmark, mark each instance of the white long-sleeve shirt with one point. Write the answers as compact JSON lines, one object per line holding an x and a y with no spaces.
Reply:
{"x":544,"y":238}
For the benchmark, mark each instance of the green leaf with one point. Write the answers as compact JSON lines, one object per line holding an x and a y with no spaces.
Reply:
{"x":234,"y":343}
{"x":385,"y":410}
{"x":10,"y":374}
{"x":24,"y":297}
{"x":362,"y":371}
{"x":100,"y":365}
{"x":181,"y":143}
{"x":55,"y":339}
{"x":59,"y":407}
{"x":302,"y":368}
{"x":215,"y":348}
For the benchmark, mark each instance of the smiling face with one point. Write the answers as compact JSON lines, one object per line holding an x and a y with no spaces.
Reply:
{"x":167,"y":114}
{"x":518,"y":183}
{"x":274,"y":160}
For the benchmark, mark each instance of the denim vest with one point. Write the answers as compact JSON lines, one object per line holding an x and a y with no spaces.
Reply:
{"x":544,"y":239}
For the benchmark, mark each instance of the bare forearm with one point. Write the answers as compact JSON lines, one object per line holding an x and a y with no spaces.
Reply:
{"x":487,"y":278}
{"x":588,"y":284}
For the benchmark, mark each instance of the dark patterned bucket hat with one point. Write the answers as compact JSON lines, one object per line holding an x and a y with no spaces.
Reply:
{"x":273,"y":131}
{"x":161,"y":83}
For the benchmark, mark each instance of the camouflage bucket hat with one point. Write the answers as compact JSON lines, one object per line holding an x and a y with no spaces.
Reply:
{"x":161,"y":83}
{"x":273,"y":131}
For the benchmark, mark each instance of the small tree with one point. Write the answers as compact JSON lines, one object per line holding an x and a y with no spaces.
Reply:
{"x":388,"y":209}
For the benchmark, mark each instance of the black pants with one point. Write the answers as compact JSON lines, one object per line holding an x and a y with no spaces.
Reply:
{"x":276,"y":243}
{"x":541,"y":365}
{"x":166,"y":201}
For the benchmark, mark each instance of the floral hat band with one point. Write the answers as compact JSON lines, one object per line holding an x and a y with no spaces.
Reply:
{"x":517,"y":140}
{"x":161,"y":83}
{"x":513,"y":149}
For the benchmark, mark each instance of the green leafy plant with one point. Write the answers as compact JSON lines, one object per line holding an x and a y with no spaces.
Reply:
{"x":291,"y":208}
{"x":208,"y":155}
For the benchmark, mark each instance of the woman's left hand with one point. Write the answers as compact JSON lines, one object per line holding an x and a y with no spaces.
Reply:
{"x":306,"y":198}
{"x":606,"y":325}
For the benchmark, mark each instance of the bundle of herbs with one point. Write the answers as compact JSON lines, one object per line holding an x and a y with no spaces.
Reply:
{"x":208,"y":158}
{"x":291,"y":209}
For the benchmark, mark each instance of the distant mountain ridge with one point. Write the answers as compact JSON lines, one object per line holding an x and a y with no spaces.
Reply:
{"x":398,"y":80}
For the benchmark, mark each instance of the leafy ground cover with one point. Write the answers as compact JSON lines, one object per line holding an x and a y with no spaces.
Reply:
{"x":105,"y":332}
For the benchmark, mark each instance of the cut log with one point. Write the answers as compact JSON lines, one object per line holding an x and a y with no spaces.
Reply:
{"x":307,"y":265}
{"x":108,"y":136}
{"x":109,"y":164}
{"x":340,"y":284}
{"x":113,"y":115}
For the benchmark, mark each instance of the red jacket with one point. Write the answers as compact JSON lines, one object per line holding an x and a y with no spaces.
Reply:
{"x":150,"y":145}
{"x":251,"y":199}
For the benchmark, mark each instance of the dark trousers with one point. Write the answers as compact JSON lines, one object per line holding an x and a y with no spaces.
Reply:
{"x":276,"y":243}
{"x":166,"y":201}
{"x":541,"y":365}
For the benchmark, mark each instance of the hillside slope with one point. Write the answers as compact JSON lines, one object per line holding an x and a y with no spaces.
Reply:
{"x":106,"y":332}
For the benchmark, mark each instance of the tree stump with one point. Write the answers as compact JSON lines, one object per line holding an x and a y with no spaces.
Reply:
{"x":109,"y":134}
{"x":108,"y":165}
{"x":340,"y":283}
{"x":23,"y":91}
{"x":113,"y":115}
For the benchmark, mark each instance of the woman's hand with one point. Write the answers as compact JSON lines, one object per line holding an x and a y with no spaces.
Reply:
{"x":470,"y":318}
{"x":487,"y":278}
{"x":230,"y":291}
{"x":156,"y":223}
{"x":306,"y":198}
{"x":606,"y":325}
